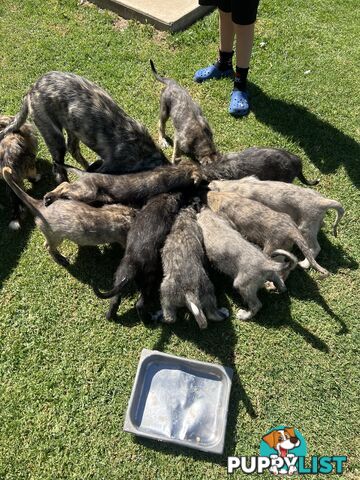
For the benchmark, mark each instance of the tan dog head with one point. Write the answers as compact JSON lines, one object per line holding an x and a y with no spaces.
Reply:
{"x":282,"y":440}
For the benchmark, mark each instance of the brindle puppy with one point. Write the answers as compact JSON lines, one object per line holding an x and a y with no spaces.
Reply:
{"x":193,"y":135}
{"x":18,"y":152}
{"x":265,"y":163}
{"x":142,"y":261}
{"x":185,"y":281}
{"x":305,"y":206}
{"x":261,"y":225}
{"x":249,"y":268}
{"x":75,"y":221}
{"x":64,"y":101}
{"x":134,"y":188}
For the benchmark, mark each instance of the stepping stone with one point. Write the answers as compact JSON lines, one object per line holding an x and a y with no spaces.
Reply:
{"x":173,"y":15}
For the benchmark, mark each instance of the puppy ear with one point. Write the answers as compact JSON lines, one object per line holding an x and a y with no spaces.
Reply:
{"x":290,"y":431}
{"x":272,"y":438}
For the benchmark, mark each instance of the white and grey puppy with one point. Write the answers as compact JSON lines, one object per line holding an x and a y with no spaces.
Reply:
{"x":185,"y":282}
{"x":75,"y":221}
{"x":193,"y":135}
{"x":260,"y":224}
{"x":305,"y":206}
{"x":249,"y":268}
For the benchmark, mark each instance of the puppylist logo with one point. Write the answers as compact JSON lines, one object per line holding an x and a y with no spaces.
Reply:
{"x":283,"y":452}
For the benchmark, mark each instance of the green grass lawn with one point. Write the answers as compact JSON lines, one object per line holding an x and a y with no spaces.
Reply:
{"x":66,"y":373}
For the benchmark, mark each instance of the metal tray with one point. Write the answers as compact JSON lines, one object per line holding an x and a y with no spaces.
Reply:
{"x":180,"y":401}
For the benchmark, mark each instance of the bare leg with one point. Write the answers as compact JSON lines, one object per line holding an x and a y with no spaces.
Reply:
{"x":226,"y":27}
{"x":244,"y":44}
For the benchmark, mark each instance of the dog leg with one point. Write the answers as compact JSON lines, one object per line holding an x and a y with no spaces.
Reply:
{"x":15,"y":208}
{"x":249,"y":295}
{"x":164,"y":115}
{"x":176,"y":152}
{"x":73,"y":146}
{"x":113,"y":308}
{"x":51,"y":246}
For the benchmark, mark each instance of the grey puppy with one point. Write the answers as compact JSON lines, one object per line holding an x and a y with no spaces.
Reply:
{"x":185,"y":282}
{"x":261,"y":225}
{"x":265,"y":163}
{"x":134,"y":188}
{"x":305,"y":206}
{"x":249,"y":268}
{"x":193,"y":135}
{"x":61,"y":101}
{"x":18,"y":152}
{"x":75,"y":221}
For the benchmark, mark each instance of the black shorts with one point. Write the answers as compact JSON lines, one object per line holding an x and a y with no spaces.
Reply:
{"x":243,"y":11}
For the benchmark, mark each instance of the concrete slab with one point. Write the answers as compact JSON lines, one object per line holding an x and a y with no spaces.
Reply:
{"x":173,"y":15}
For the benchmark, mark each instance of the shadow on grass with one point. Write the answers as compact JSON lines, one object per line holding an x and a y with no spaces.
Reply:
{"x":326,"y":146}
{"x":12,"y":243}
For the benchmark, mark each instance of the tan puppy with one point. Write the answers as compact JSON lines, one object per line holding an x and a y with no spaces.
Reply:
{"x":75,"y":221}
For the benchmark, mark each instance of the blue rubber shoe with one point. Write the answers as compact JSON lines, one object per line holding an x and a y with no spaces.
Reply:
{"x":212,"y":72}
{"x":239,"y":103}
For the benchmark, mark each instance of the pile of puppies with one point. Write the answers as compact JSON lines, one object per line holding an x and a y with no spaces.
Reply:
{"x":237,"y":211}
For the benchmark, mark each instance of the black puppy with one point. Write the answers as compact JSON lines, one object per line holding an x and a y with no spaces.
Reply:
{"x":264,"y":163}
{"x":142,"y":259}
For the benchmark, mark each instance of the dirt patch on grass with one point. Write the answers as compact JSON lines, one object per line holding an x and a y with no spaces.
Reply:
{"x":120,"y":24}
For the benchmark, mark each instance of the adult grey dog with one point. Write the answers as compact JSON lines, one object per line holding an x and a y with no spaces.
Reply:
{"x":193,"y":135}
{"x":134,"y":188}
{"x":185,"y":282}
{"x":75,"y":221}
{"x":305,"y":206}
{"x":61,"y":101}
{"x":249,"y":268}
{"x":261,"y":225}
{"x":264,"y":163}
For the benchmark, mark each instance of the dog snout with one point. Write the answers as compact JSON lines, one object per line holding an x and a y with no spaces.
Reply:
{"x":294,"y":440}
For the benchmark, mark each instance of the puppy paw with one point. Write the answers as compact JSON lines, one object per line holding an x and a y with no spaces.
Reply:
{"x":14,"y":225}
{"x":304,"y":264}
{"x":243,"y":314}
{"x":270,"y":287}
{"x":164,"y":143}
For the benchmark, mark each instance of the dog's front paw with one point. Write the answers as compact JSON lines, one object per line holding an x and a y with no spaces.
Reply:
{"x":244,"y":314}
{"x":304,"y":264}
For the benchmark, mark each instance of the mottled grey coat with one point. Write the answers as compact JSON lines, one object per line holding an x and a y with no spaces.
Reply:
{"x":61,"y":101}
{"x":193,"y":135}
{"x":249,"y":268}
{"x":305,"y":206}
{"x":18,"y":151}
{"x":261,"y":225}
{"x":185,"y":282}
{"x":76,"y":221}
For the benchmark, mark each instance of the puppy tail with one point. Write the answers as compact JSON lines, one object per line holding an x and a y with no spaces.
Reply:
{"x":156,"y":75}
{"x":339,"y":213}
{"x":32,"y":204}
{"x":124,"y":274}
{"x":193,"y":304}
{"x":290,"y":264}
{"x":305,"y":181}
{"x":301,"y":243}
{"x":19,"y":119}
